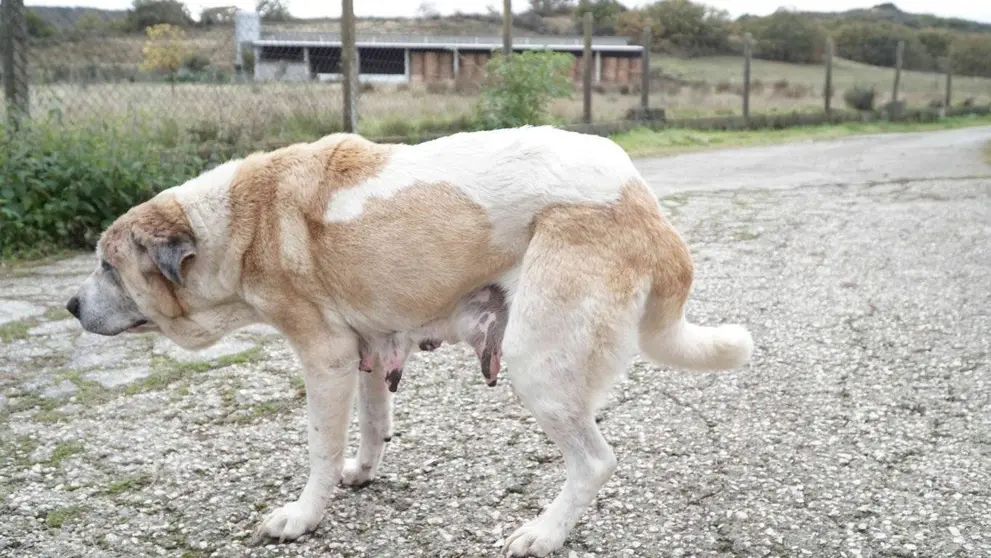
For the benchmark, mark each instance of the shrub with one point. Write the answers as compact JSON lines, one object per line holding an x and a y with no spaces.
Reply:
{"x":688,"y":28}
{"x":59,"y":187}
{"x":605,"y":14}
{"x":860,"y":97}
{"x":972,"y":55}
{"x":196,"y":62}
{"x":787,"y":36}
{"x":519,"y":88}
{"x":146,"y":13}
{"x":876,"y":43}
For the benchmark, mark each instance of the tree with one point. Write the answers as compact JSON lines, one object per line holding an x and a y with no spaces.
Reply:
{"x":38,"y":26}
{"x":164,"y":50}
{"x":876,"y":42}
{"x":147,"y":13}
{"x":972,"y":55}
{"x":551,"y":7}
{"x":273,"y":10}
{"x":689,"y":28}
{"x":604,"y":14}
{"x":787,"y":36}
{"x":223,"y":15}
{"x":936,"y":41}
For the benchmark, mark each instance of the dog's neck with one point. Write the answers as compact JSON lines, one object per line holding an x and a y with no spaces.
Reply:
{"x":206,"y":202}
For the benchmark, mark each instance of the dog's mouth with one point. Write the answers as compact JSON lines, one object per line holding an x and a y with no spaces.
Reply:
{"x":144,"y":326}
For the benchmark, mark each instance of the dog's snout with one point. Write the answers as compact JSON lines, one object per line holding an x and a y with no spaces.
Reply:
{"x":73,"y":306}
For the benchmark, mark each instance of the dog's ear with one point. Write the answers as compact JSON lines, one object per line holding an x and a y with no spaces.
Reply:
{"x":169,"y":254}
{"x":163,"y":232}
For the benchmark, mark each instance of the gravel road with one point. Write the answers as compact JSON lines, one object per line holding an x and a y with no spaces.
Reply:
{"x":862,"y":427}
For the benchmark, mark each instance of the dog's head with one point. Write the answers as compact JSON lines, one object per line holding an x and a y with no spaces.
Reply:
{"x":146,"y":259}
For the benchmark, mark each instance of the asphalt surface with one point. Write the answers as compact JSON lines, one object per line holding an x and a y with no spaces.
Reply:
{"x":862,"y":427}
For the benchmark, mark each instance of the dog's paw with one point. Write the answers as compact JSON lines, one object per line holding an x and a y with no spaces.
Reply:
{"x":536,"y":538}
{"x":290,"y":522}
{"x":356,"y":474}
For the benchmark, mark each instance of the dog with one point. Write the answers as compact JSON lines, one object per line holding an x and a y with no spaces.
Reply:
{"x":344,"y":241}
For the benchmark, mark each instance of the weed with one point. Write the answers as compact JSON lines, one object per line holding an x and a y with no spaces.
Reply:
{"x":12,"y":331}
{"x":57,"y":313}
{"x":129,"y":484}
{"x":57,"y":518}
{"x":65,"y":450}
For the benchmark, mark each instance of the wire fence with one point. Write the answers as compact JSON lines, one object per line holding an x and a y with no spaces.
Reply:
{"x":279,"y":83}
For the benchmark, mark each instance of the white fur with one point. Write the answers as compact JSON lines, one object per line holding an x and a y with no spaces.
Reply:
{"x":512,"y":174}
{"x":693,"y":347}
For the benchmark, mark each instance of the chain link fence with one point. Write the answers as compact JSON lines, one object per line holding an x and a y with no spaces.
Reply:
{"x":222,"y":81}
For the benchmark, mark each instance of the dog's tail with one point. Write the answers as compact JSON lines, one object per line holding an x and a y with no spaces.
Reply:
{"x":692,"y":347}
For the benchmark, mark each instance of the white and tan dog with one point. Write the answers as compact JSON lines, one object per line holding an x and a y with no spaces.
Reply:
{"x":342,"y":242}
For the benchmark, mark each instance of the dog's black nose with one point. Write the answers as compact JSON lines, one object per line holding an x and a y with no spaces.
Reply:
{"x":73,"y":306}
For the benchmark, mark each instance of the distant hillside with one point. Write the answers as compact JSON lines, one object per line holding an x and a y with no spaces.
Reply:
{"x":62,"y":17}
{"x":891,"y":12}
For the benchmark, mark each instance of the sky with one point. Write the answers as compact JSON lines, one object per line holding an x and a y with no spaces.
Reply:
{"x":979,"y":10}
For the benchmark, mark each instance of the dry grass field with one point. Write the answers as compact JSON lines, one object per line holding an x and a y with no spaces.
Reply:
{"x":685,"y":87}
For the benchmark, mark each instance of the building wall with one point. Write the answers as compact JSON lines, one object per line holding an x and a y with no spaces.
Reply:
{"x":282,"y":70}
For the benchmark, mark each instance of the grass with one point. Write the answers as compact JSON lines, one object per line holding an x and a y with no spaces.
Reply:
{"x":65,"y":450}
{"x":644,"y":142}
{"x":12,"y":331}
{"x":57,"y":518}
{"x":128,"y":484}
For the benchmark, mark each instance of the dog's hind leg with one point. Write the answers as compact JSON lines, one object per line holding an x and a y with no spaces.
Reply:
{"x":375,"y":424}
{"x":570,"y":335}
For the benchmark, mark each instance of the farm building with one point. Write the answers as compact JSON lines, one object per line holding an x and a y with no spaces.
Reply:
{"x":421,"y":58}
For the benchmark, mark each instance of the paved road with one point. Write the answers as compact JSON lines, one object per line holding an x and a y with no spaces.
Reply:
{"x":862,"y":428}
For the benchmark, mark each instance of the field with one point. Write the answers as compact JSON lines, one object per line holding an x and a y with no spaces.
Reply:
{"x":79,"y":91}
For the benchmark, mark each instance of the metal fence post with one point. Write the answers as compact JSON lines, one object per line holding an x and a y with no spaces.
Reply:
{"x":507,"y":27}
{"x":587,"y":74}
{"x":13,"y":40}
{"x":645,"y":76}
{"x":349,"y":72}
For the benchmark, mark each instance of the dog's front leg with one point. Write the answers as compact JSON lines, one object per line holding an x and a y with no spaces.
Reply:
{"x":331,"y":377}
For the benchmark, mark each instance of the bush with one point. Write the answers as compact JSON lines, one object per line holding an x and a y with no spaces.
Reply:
{"x":147,"y":13}
{"x":196,"y":62}
{"x":787,"y":36}
{"x":519,"y":88}
{"x":684,"y":27}
{"x":860,"y":98}
{"x":60,"y":187}
{"x":605,"y":14}
{"x":876,"y":43}
{"x":972,"y":55}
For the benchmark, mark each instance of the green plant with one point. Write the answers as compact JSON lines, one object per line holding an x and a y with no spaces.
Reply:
{"x":196,"y":62}
{"x":520,"y":87}
{"x":787,"y":36}
{"x":860,"y":97}
{"x":60,"y":186}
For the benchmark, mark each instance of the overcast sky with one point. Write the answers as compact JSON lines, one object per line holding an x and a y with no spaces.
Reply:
{"x":979,"y":10}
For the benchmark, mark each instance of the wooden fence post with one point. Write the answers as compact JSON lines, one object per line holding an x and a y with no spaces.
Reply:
{"x":899,"y":55}
{"x":949,"y":79}
{"x":589,"y":69}
{"x":349,"y":73}
{"x":747,"y":55}
{"x":507,"y":27}
{"x":828,"y":92}
{"x":645,"y":76}
{"x":14,"y":43}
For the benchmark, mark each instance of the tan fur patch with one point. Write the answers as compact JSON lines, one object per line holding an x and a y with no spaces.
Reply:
{"x":398,"y":258}
{"x":629,"y":241}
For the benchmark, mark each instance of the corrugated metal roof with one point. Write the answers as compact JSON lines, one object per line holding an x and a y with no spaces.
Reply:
{"x":288,"y":37}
